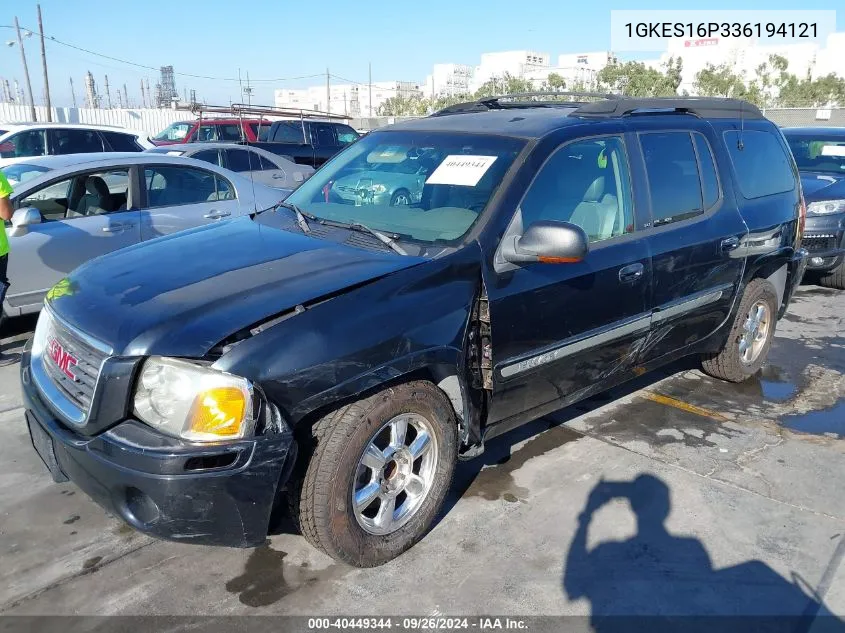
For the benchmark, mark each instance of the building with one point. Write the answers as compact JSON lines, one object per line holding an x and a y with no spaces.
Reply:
{"x":449,"y":80}
{"x":746,"y":55}
{"x":515,"y":63}
{"x":352,"y":100}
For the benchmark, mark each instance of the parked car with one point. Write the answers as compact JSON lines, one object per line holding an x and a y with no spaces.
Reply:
{"x":85,"y":205}
{"x":252,"y":162}
{"x":306,"y":141}
{"x":343,"y":356}
{"x":27,"y":140}
{"x":209,"y":130}
{"x":820,"y":155}
{"x":395,"y":181}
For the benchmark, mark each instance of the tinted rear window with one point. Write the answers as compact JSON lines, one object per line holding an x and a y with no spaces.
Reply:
{"x":122,"y":142}
{"x":762,"y":167}
{"x":673,"y":177}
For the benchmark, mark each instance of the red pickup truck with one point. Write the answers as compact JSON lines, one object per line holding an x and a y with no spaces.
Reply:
{"x":210,"y":130}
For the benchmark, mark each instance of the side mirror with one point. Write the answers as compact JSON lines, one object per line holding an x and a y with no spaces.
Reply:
{"x":548,"y":242}
{"x":22,"y":218}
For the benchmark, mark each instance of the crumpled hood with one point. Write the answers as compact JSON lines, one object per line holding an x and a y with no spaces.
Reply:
{"x":819,"y":186}
{"x":182,"y":294}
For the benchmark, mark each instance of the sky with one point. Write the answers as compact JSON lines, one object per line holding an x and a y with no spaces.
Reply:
{"x":279,"y":44}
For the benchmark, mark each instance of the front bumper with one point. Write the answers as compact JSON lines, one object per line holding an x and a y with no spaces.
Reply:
{"x":794,"y":273}
{"x":824,"y":240}
{"x":220,"y":494}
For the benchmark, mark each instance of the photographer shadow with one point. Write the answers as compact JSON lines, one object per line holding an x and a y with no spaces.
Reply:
{"x":668,"y":582}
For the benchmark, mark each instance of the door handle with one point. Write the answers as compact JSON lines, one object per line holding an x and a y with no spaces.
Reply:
{"x":216,"y":215}
{"x":277,"y":176}
{"x":729,"y":244}
{"x":114,"y":228}
{"x":631,"y":272}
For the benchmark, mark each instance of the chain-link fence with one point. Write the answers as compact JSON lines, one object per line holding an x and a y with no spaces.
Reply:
{"x":799,"y":117}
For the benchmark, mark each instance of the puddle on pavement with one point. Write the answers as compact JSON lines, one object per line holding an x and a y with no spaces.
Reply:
{"x":772,"y":383}
{"x":829,"y":421}
{"x":266,"y":579}
{"x":495,"y":480}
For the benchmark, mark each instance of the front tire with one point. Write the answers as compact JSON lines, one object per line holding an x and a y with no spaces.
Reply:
{"x":834,"y":278}
{"x":378,"y":475}
{"x":751,"y":335}
{"x":400,"y":198}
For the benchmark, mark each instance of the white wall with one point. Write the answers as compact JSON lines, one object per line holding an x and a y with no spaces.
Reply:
{"x":147,"y":120}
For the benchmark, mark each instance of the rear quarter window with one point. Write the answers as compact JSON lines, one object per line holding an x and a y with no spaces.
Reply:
{"x":762,"y":166}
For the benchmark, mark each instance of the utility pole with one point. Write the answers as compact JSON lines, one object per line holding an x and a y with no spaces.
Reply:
{"x":143,"y":96}
{"x":328,"y":93}
{"x":125,"y":96}
{"x":44,"y":66}
{"x":370,"y":88}
{"x":108,"y":94}
{"x":72,"y":93}
{"x":26,"y":73}
{"x":240,"y":86}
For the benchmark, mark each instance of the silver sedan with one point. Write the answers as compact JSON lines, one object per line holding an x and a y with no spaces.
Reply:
{"x":251,"y":162}
{"x":70,"y":209}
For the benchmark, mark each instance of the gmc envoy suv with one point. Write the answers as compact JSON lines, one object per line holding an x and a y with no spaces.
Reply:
{"x":339,"y":355}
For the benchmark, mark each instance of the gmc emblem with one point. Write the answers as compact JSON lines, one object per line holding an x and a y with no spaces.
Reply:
{"x":64,"y":359}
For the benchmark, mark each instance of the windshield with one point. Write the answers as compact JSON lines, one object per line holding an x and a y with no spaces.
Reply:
{"x":423,"y":186}
{"x":174,"y":132}
{"x":816,"y":152}
{"x":21,"y":172}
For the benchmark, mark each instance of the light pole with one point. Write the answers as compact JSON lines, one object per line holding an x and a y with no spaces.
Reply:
{"x":25,"y":67}
{"x":44,"y":66}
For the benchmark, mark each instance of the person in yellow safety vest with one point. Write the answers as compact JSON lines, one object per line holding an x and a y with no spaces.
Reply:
{"x":5,"y":213}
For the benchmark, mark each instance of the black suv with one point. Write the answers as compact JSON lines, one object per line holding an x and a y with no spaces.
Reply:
{"x":342,"y":354}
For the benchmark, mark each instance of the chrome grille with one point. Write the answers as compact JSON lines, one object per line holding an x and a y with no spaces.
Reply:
{"x":78,"y":382}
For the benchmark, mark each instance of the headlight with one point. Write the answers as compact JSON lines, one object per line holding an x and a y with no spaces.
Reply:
{"x":378,"y":188}
{"x":193,"y":402}
{"x":826,"y":206}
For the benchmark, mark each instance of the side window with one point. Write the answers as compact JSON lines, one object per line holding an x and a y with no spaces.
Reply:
{"x":122,"y":142}
{"x":707,"y":166}
{"x":586,"y":183}
{"x":82,"y":195}
{"x":345,"y":134}
{"x":228,"y":132}
{"x":173,"y":186}
{"x":26,"y":143}
{"x":208,"y":155}
{"x":240,"y":160}
{"x":224,"y":190}
{"x":762,"y":166}
{"x":266,"y":163}
{"x":289,"y":132}
{"x":672,"y":173}
{"x":323,"y":134}
{"x":205,"y":133}
{"x":75,"y":141}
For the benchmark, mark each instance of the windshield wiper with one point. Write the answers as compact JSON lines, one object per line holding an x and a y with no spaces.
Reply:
{"x":300,"y":216}
{"x":381,"y":237}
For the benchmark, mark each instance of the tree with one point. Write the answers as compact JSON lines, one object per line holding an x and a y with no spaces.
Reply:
{"x":413,"y":105}
{"x":507,"y":84}
{"x":722,"y":81}
{"x":635,"y":79}
{"x":554,"y":82}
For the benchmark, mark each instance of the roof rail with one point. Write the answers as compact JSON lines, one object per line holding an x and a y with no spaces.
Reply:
{"x":503,"y":102}
{"x":243,"y":109}
{"x":703,"y":107}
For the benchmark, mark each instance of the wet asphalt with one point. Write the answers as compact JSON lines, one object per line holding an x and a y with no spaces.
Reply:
{"x":675,"y":494}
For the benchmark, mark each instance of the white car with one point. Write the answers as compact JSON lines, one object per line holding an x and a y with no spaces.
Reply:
{"x":19,"y":141}
{"x":71,"y":209}
{"x":251,"y":162}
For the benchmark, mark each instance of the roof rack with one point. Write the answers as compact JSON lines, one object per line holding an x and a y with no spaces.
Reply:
{"x":504,"y":102}
{"x":703,"y":107}
{"x":241,"y":109}
{"x":614,"y":106}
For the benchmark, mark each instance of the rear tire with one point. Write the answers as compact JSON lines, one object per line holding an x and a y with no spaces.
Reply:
{"x":748,"y":343}
{"x":322,"y":503}
{"x":400,"y":198}
{"x":834,"y":278}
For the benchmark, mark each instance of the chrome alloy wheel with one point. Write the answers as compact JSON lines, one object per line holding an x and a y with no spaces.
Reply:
{"x":755,"y":331}
{"x":394,"y":474}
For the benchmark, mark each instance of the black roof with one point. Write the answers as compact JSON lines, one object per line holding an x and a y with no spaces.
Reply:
{"x":532,"y":118}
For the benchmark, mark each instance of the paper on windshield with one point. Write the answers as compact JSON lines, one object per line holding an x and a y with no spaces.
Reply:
{"x":833,"y":150}
{"x":460,"y":169}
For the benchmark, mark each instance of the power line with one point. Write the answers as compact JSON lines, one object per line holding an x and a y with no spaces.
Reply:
{"x":137,"y":65}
